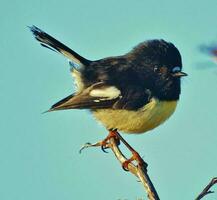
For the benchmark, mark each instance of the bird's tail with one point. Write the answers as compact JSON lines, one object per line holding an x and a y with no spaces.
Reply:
{"x":53,"y":44}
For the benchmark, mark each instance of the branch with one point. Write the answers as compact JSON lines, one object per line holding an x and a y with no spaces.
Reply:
{"x":140,"y":171}
{"x":207,"y":190}
{"x":137,"y":170}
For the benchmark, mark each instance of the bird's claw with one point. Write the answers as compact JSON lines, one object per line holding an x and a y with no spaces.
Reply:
{"x":135,"y":157}
{"x":87,"y":145}
{"x":104,"y":144}
{"x":101,"y":144}
{"x":103,"y":149}
{"x":125,"y":166}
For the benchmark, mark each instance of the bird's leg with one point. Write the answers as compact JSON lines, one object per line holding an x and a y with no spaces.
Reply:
{"x":135,"y":155}
{"x":104,"y":144}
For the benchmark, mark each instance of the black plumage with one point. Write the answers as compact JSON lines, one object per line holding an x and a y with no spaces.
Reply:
{"x":145,"y":72}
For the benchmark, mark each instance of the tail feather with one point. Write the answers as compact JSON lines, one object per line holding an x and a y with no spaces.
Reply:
{"x":53,"y":44}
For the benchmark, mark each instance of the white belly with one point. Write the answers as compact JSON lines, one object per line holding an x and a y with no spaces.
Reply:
{"x":140,"y":121}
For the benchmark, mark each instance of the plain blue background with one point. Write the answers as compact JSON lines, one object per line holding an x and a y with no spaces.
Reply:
{"x":39,"y":156}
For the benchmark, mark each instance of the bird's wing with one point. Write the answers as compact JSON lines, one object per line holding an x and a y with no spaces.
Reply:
{"x":101,"y":95}
{"x":51,"y":43}
{"x":133,"y":98}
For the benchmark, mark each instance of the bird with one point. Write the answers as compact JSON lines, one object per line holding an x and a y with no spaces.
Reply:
{"x":132,"y":93}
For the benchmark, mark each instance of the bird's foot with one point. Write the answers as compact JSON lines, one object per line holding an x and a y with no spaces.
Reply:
{"x":104,"y":144}
{"x":135,"y":157}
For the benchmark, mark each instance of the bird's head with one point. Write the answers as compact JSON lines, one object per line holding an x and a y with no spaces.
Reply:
{"x":160,"y":65}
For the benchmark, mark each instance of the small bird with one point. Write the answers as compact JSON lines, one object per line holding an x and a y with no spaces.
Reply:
{"x":133,"y":93}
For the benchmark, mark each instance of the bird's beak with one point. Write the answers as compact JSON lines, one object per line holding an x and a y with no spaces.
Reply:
{"x":180,"y":74}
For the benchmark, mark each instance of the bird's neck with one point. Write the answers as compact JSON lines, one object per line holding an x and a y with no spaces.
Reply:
{"x":168,"y":91}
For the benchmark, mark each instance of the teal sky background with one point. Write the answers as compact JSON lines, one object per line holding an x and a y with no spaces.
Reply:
{"x":39,"y":156}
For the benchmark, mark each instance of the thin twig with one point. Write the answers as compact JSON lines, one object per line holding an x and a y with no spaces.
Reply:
{"x":138,"y":171}
{"x":207,"y":190}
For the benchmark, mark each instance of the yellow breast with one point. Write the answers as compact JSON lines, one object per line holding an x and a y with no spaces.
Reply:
{"x":146,"y":118}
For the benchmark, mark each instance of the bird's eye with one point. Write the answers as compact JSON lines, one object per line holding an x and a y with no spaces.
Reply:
{"x":176,"y":69}
{"x":156,"y":69}
{"x":160,"y":70}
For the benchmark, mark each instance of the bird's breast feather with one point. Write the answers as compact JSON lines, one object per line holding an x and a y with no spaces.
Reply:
{"x":139,"y":121}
